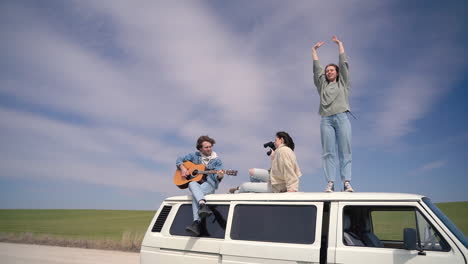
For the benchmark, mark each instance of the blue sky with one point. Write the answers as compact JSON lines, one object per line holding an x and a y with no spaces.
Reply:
{"x":98,"y":98}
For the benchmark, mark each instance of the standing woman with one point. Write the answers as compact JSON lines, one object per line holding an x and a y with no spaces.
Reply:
{"x":335,"y":127}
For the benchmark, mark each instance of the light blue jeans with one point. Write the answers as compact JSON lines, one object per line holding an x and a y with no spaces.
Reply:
{"x":198,"y":193}
{"x":259,"y":182}
{"x":336,"y":137}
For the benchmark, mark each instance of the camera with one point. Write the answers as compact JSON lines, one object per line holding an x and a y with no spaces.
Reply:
{"x":270,"y":145}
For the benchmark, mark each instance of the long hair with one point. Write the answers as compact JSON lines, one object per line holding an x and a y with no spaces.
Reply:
{"x":202,"y":139}
{"x":337,"y":69}
{"x":288,"y":141}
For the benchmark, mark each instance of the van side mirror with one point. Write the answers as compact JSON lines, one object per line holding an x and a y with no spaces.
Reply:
{"x":409,"y":237}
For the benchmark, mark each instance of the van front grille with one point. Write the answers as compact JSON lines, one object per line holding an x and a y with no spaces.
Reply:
{"x":161,"y":219}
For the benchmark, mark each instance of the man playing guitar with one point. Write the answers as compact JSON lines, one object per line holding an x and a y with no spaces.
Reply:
{"x":206,"y":156}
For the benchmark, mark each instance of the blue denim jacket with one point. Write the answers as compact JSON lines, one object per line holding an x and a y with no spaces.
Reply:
{"x":214,"y":164}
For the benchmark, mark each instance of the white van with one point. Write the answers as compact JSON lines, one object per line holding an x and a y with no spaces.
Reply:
{"x":304,"y":228}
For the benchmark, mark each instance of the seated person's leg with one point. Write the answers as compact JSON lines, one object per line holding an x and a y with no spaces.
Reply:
{"x":257,"y":187}
{"x":199,"y":208}
{"x":198,"y":192}
{"x":194,"y":228}
{"x":259,"y":175}
{"x":195,"y":208}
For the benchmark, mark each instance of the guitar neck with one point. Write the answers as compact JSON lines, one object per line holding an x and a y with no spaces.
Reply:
{"x":207,"y":172}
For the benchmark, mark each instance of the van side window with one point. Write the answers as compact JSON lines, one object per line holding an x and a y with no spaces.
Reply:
{"x":383,"y":226}
{"x":274,"y":223}
{"x":430,"y":238}
{"x":388,"y":225}
{"x":213,"y":226}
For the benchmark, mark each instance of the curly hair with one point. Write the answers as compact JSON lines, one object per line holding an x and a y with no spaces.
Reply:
{"x":288,"y":141}
{"x":202,"y":139}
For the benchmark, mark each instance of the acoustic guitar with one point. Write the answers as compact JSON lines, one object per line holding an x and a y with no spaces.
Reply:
{"x":197,"y":173}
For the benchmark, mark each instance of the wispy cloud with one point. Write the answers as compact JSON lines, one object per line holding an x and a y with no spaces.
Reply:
{"x":37,"y":147}
{"x":429,"y":167}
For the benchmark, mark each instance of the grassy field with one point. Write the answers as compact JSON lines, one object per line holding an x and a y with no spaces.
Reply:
{"x":389,"y":225}
{"x":458,"y":213}
{"x":76,"y":224}
{"x":121,"y":226}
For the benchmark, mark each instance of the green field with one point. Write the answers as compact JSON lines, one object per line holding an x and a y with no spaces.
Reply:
{"x":389,"y":225}
{"x":458,"y":213}
{"x":113,"y":224}
{"x":76,"y":224}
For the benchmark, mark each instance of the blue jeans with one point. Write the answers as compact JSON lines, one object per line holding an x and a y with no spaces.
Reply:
{"x":198,"y":193}
{"x":336,"y":136}
{"x":259,"y":182}
{"x":260,"y":175}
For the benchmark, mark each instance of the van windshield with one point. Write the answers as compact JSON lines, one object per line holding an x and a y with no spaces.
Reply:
{"x":448,"y":223}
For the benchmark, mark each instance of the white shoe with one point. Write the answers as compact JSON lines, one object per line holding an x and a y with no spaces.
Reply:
{"x":347,"y":187}
{"x":330,"y":187}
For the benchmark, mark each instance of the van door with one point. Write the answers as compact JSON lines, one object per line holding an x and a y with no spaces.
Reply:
{"x":374,"y":232}
{"x":273,"y":232}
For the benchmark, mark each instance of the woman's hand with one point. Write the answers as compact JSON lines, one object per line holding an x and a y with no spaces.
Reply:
{"x":336,"y":40}
{"x":340,"y":44}
{"x":314,"y":49}
{"x":318,"y":45}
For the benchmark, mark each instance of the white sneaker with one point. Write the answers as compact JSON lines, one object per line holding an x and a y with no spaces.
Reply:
{"x":347,"y":187}
{"x":330,"y":187}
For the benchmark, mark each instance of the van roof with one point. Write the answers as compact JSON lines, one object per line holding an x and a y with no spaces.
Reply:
{"x":305,"y":196}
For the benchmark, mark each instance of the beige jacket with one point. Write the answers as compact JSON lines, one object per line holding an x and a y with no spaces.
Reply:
{"x":285,"y":172}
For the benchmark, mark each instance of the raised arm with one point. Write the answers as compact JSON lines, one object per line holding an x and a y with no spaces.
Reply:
{"x":319,"y":76}
{"x":343,"y":63}
{"x":340,"y":44}
{"x":314,"y":49}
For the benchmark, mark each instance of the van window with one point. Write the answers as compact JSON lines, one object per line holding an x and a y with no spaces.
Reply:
{"x":213,"y":226}
{"x":448,"y":223}
{"x":389,"y":225}
{"x":381,"y":226}
{"x":274,"y":223}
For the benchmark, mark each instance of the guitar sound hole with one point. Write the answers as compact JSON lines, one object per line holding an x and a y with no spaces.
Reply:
{"x":192,"y":175}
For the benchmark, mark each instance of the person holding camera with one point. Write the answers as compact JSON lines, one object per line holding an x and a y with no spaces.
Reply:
{"x":335,"y":127}
{"x":284,"y":173}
